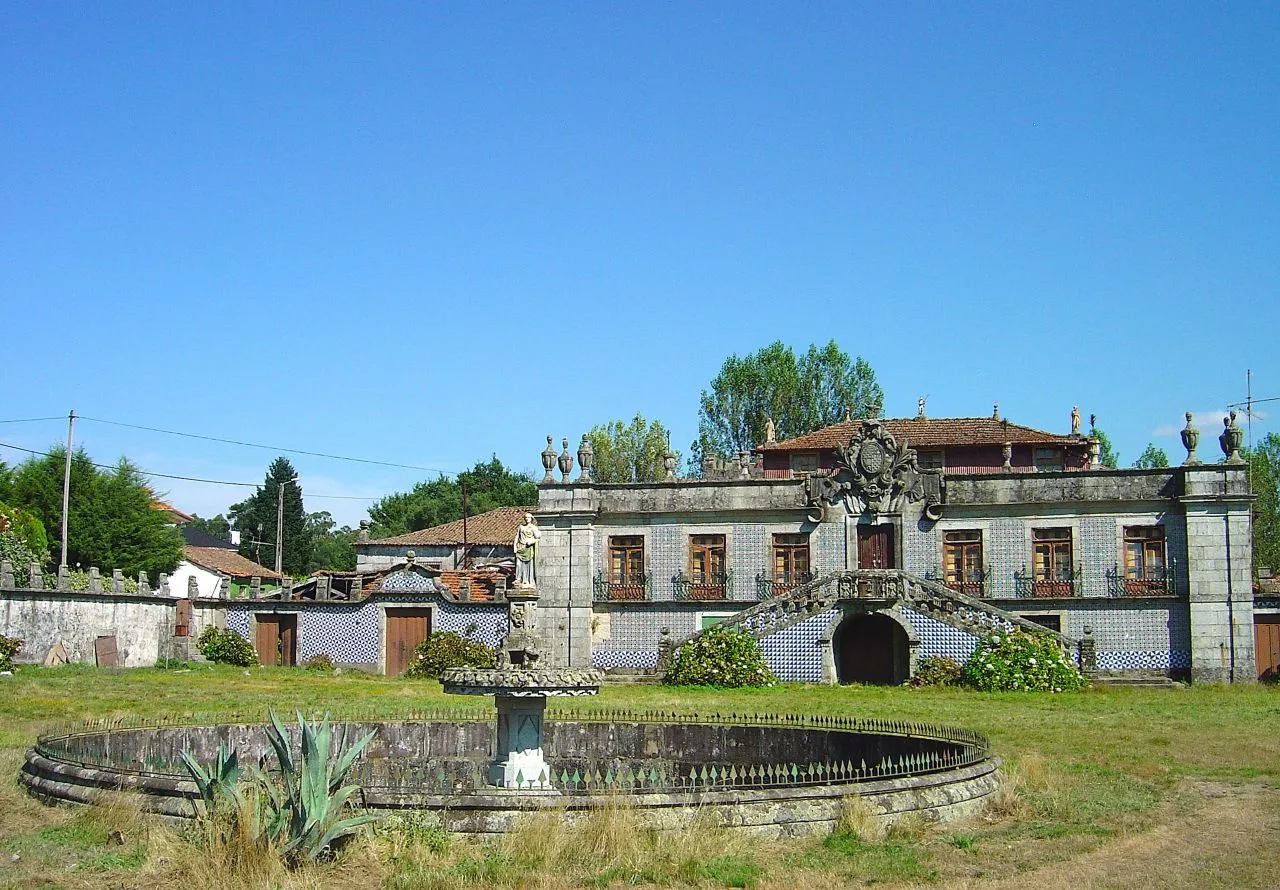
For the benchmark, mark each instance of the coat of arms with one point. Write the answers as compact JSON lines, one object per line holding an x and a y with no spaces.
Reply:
{"x":873,"y":473}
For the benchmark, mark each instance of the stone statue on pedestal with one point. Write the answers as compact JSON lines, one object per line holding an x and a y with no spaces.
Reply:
{"x":526,"y":549}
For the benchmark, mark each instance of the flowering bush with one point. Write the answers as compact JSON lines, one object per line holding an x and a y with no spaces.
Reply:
{"x":720,"y":657}
{"x":937,"y":670}
{"x":447,"y":650}
{"x":9,"y":647}
{"x":1020,"y":661}
{"x":226,"y":647}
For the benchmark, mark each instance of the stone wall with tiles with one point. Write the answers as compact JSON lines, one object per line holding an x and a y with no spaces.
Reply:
{"x":351,"y":633}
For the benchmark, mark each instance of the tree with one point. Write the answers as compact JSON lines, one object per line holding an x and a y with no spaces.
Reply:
{"x":111,"y":523}
{"x":800,"y":395}
{"x":1106,"y":455}
{"x":1152,"y":458}
{"x":217,"y":526}
{"x":255,"y":519}
{"x":1264,"y":477}
{"x":489,"y":485}
{"x":331,"y":547}
{"x":632,"y":452}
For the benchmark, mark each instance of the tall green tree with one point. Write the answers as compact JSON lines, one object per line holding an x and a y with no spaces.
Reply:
{"x":634,"y":452}
{"x":489,"y":485}
{"x":255,"y":519}
{"x":332,"y":548}
{"x":1152,"y":458}
{"x":799,"y":394}
{"x":218,"y":526}
{"x":110,"y":521}
{"x":1264,"y":477}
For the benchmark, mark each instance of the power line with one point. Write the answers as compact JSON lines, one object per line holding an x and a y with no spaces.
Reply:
{"x":340,"y":497}
{"x":359,"y":460}
{"x":32,"y":419}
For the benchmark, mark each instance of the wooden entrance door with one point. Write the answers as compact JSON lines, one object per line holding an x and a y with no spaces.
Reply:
{"x":276,"y":640}
{"x":406,"y":628}
{"x":875,"y":547}
{"x":1266,"y":646}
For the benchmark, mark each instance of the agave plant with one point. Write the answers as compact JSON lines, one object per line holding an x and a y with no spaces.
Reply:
{"x":302,"y":813}
{"x":217,"y":782}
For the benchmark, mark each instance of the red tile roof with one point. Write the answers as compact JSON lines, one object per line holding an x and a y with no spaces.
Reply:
{"x":495,"y":527}
{"x":929,"y":433}
{"x":227,"y":562}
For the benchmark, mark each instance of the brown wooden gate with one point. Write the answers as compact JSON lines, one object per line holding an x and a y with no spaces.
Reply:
{"x":277,"y":640}
{"x":875,"y":547}
{"x":1266,"y":646}
{"x":406,"y":628}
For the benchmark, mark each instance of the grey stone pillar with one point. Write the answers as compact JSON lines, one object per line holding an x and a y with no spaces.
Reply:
{"x":224,"y":588}
{"x":1219,"y":573}
{"x":64,"y":578}
{"x":566,"y":566}
{"x":35,"y":580}
{"x":255,"y":588}
{"x":6,"y":574}
{"x":117,"y":581}
{"x":95,"y":580}
{"x":1087,"y":648}
{"x":144,"y":583}
{"x":163,"y":590}
{"x":193,"y":588}
{"x":322,"y":587}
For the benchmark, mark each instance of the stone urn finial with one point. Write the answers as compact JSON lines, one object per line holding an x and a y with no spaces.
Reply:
{"x":995,"y":410}
{"x":669,"y":464}
{"x":548,"y":462}
{"x":1231,"y":439}
{"x":566,"y":461}
{"x":585,"y":456}
{"x":1190,"y":439}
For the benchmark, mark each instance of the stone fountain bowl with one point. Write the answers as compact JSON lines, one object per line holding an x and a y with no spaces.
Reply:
{"x":522,"y":682}
{"x":775,"y":774}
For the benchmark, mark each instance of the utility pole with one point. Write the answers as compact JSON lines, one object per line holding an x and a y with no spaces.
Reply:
{"x":280,"y":525}
{"x":66,"y":486}
{"x":466,"y":557}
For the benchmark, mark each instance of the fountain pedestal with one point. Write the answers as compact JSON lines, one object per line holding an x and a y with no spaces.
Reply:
{"x":520,"y":686}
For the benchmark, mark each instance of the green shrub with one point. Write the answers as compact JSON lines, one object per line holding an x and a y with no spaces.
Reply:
{"x":17,"y":551}
{"x":9,"y":647}
{"x":937,"y":670}
{"x":720,"y":657}
{"x":1020,"y":661}
{"x":321,"y":663}
{"x":226,"y":647}
{"x":78,"y":581}
{"x":446,"y":650}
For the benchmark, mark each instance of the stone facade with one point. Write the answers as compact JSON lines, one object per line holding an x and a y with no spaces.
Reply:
{"x":1199,"y":625}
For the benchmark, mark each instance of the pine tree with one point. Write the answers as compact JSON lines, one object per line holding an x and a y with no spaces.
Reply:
{"x":255,"y":519}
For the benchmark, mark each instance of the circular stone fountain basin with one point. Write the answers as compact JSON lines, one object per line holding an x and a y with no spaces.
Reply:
{"x":781,"y":774}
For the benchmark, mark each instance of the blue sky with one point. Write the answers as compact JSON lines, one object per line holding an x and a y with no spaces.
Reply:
{"x":428,"y":234}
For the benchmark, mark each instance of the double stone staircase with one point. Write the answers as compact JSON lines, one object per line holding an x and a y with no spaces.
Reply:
{"x":875,"y":589}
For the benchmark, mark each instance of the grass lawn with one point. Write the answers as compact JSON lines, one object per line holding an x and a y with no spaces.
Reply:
{"x":1111,"y":788}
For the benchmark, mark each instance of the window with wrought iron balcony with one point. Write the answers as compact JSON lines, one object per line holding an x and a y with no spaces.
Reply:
{"x":627,"y":579}
{"x":1146,"y":571}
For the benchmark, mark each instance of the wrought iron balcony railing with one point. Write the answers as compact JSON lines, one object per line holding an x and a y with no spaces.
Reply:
{"x":1026,"y":586}
{"x":973,"y":585}
{"x":1150,"y":584}
{"x":628,"y":590}
{"x":713,"y":586}
{"x":767,"y":587}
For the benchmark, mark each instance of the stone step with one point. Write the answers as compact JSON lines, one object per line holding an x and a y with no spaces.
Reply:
{"x":1144,"y":682}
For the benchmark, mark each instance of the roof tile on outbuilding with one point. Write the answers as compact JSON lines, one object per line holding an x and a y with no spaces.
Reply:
{"x":228,"y":562}
{"x":494,"y":527}
{"x":928,"y":433}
